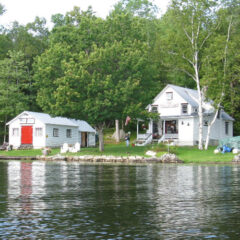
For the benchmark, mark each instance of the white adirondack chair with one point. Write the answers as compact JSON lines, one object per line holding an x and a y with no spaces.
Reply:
{"x":76,"y":148}
{"x":64,"y":148}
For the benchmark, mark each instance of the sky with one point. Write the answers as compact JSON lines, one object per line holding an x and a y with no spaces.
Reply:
{"x":25,"y":11}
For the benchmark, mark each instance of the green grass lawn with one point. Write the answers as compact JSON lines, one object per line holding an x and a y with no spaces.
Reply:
{"x":32,"y":152}
{"x":115,"y":150}
{"x":193,"y":155}
{"x":187,"y":154}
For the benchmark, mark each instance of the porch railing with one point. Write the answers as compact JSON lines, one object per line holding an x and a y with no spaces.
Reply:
{"x":171,"y":136}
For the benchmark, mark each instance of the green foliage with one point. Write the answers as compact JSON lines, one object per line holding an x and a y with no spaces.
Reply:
{"x":141,"y":8}
{"x":14,"y":81}
{"x":102,"y":69}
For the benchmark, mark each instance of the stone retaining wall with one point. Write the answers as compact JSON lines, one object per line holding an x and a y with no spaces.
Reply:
{"x":166,"y":158}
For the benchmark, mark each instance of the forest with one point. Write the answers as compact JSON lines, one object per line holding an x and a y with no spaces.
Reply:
{"x":101,"y":70}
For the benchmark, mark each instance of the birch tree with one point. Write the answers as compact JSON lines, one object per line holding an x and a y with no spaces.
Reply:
{"x":219,"y":83}
{"x":189,"y":24}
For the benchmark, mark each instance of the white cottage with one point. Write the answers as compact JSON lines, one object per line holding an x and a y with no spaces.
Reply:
{"x":39,"y":130}
{"x":179,"y":120}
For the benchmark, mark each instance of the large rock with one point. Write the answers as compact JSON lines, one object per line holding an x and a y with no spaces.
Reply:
{"x":170,"y":158}
{"x":235,"y":151}
{"x":121,"y":132}
{"x":151,"y":153}
{"x":236,"y":158}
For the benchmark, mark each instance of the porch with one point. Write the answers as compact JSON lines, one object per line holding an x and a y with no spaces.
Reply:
{"x":157,"y":131}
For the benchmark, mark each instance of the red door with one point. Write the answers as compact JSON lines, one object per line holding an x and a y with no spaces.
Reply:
{"x":27,"y":135}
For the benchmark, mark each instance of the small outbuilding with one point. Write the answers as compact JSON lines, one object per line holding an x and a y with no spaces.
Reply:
{"x":38,"y":130}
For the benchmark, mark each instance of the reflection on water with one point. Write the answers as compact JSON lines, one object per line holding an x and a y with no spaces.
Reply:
{"x":72,"y":201}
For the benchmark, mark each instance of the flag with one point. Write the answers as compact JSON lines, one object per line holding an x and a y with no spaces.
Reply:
{"x":127,"y":120}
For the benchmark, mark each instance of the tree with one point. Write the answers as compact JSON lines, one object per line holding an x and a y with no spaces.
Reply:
{"x":222,"y":62}
{"x":2,"y":9}
{"x":98,"y":87}
{"x":13,"y":84}
{"x":141,"y":8}
{"x":190,"y":26}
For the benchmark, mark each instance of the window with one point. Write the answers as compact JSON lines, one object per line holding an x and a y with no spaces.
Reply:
{"x":15,"y":132}
{"x":184,"y":108}
{"x":55,"y":132}
{"x":226,"y":128}
{"x":69,"y":133}
{"x":154,"y":109}
{"x":219,"y":113}
{"x":169,"y":95}
{"x":205,"y":123}
{"x":38,"y":132}
{"x":171,"y":127}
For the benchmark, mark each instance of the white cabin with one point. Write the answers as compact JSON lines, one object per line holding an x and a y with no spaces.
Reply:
{"x":179,"y":120}
{"x":38,"y":130}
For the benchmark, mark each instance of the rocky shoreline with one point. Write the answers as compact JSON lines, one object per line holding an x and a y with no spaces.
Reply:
{"x":166,"y":158}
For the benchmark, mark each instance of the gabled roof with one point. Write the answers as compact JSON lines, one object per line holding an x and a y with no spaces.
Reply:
{"x":189,"y":95}
{"x":83,"y":126}
{"x":47,"y":119}
{"x":225,"y":116}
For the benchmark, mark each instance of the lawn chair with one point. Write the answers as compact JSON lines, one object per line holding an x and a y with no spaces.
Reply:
{"x":64,"y":148}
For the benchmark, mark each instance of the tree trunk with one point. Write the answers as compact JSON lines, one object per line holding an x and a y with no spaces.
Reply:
{"x":5,"y":130}
{"x":224,"y":77}
{"x":117,"y":131}
{"x":101,"y":142}
{"x":200,"y":105}
{"x":200,"y":127}
{"x":209,"y":129}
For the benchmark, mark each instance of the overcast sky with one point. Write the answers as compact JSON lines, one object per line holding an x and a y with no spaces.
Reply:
{"x":25,"y":11}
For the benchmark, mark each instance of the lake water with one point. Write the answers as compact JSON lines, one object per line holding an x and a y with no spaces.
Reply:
{"x":42,"y":200}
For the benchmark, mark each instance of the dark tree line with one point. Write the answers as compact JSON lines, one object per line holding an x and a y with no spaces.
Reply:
{"x":100,"y":70}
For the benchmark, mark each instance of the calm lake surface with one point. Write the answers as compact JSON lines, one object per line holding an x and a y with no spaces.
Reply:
{"x":42,"y":200}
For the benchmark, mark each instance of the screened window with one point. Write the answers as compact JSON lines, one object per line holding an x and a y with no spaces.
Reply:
{"x":169,"y":95}
{"x":15,"y":132}
{"x":154,"y":109}
{"x":69,"y":133}
{"x":55,"y":132}
{"x":38,"y":132}
{"x":184,"y":108}
{"x":226,"y":128}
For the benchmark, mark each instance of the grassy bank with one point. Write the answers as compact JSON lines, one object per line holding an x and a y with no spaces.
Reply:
{"x":187,"y":154}
{"x":194,"y":155}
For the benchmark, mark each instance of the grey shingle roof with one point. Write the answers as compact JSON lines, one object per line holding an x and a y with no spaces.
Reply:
{"x":225,"y":116}
{"x":45,"y":118}
{"x":83,"y":126}
{"x":190,"y":95}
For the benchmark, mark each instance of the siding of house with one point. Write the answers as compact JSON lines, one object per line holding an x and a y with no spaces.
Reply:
{"x":186,"y":131}
{"x":38,"y":142}
{"x":171,"y":107}
{"x":52,"y":141}
{"x":217,"y":130}
{"x":91,"y":140}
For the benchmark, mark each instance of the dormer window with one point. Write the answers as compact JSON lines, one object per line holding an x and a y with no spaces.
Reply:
{"x":184,"y":108}
{"x":154,"y":109}
{"x":195,"y":110}
{"x":169,"y":95}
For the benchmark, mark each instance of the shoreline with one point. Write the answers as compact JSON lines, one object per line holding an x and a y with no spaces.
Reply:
{"x":167,"y":158}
